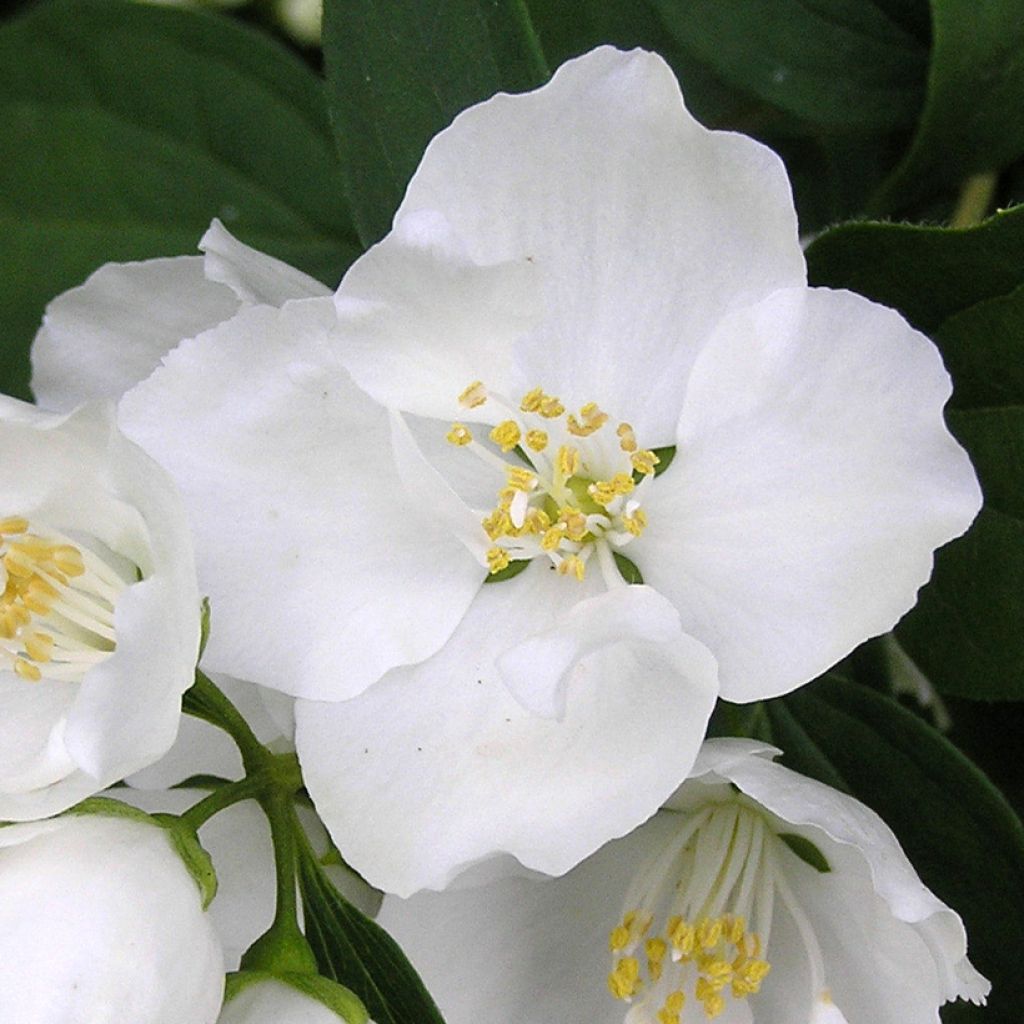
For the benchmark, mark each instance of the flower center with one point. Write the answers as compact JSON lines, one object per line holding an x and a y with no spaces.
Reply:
{"x":57,"y":608}
{"x":576,"y":491}
{"x":710,"y":891}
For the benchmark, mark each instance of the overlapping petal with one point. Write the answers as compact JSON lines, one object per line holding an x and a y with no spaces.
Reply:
{"x":437,"y":767}
{"x":812,"y":481}
{"x":323,"y":573}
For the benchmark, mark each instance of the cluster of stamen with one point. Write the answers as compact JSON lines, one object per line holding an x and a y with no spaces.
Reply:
{"x":552,"y":502}
{"x":57,"y":608}
{"x":703,"y":952}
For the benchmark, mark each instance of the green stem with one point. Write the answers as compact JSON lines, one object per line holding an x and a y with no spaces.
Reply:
{"x":283,"y":825}
{"x":976,"y":195}
{"x":206,"y":701}
{"x":224,"y":796}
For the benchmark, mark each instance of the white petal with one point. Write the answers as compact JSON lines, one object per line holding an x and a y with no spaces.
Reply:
{"x":103,"y":337}
{"x":861,"y":837}
{"x":252,"y":275}
{"x":322,"y":572}
{"x":269,"y":1001}
{"x":643,"y":226}
{"x":422,"y":321}
{"x":813,"y":480}
{"x":525,"y":951}
{"x":439,"y":767}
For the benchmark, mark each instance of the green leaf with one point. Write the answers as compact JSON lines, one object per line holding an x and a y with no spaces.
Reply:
{"x":398,"y":71}
{"x":975,"y":94}
{"x":927,"y":273}
{"x":357,"y":953}
{"x":126,"y":128}
{"x":954,"y":825}
{"x":843,"y":64}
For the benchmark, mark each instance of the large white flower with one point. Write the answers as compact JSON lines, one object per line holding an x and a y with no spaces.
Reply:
{"x":102,"y":923}
{"x":99,"y":613}
{"x":758,"y":896}
{"x":579,"y":279}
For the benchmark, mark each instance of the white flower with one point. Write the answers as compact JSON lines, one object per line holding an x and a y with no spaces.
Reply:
{"x":292,"y":999}
{"x":102,"y":923}
{"x":587,"y":274}
{"x":99,"y":614}
{"x":717,"y":907}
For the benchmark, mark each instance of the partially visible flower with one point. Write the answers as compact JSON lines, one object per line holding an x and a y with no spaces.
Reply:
{"x":757,"y":896}
{"x":109,"y":333}
{"x":290,"y":999}
{"x":102,"y":923}
{"x":99,"y":608}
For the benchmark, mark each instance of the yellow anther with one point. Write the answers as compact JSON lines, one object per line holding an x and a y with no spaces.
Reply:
{"x":497,"y":559}
{"x":536,"y":440}
{"x":39,"y":596}
{"x":635,"y":523}
{"x":644,"y":461}
{"x":27,"y":670}
{"x":17,"y":563}
{"x":39,"y":646}
{"x":627,"y":439}
{"x":591,"y":420}
{"x":537,"y":520}
{"x":735,"y":930}
{"x":567,"y":461}
{"x":68,"y":560}
{"x":624,"y":980}
{"x":507,"y":435}
{"x":604,"y":492}
{"x":13,"y":524}
{"x":718,"y":972}
{"x":574,"y":521}
{"x":656,"y":950}
{"x":553,"y":537}
{"x":573,"y":564}
{"x":459,"y":435}
{"x":531,"y":400}
{"x":520,"y":479}
{"x":709,"y":932}
{"x":682,"y":936}
{"x":551,"y":408}
{"x":497,"y":523}
{"x":474,"y":395}
{"x":618,"y":938}
{"x":672,"y":1008}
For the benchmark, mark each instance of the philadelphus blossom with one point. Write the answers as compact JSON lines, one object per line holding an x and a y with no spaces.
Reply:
{"x":586,"y":355}
{"x":102,"y":923}
{"x":99,"y":614}
{"x":758,"y":896}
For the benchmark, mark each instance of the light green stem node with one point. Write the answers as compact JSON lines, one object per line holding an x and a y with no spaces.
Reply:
{"x":975,"y":201}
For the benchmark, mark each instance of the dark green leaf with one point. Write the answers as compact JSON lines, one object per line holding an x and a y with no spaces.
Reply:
{"x":627,"y":568}
{"x":398,"y":71}
{"x":806,"y":851}
{"x":513,"y":569}
{"x":971,"y":120}
{"x":357,"y":953}
{"x":956,"y":828}
{"x":125,"y":129}
{"x":928,"y":273}
{"x":843,"y":64}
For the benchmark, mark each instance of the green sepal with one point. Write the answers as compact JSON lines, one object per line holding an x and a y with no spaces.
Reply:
{"x":627,"y":568}
{"x":342,"y":1001}
{"x":204,"y":627}
{"x":183,"y":838}
{"x":806,"y":851}
{"x":514,"y":568}
{"x":186,"y":844}
{"x":280,"y":950}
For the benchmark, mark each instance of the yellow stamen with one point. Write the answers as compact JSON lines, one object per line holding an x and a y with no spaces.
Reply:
{"x":567,"y":462}
{"x":536,"y":440}
{"x":573,"y":564}
{"x":13,"y":524}
{"x":624,"y":980}
{"x":39,"y":646}
{"x":627,"y":439}
{"x":475,"y":395}
{"x":636,"y":523}
{"x":459,"y":435}
{"x":507,"y":435}
{"x":644,"y":461}
{"x":27,"y":670}
{"x":497,"y":559}
{"x":520,"y":479}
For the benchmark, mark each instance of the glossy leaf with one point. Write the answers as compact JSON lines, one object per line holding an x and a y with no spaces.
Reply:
{"x":398,"y":71}
{"x":126,"y":128}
